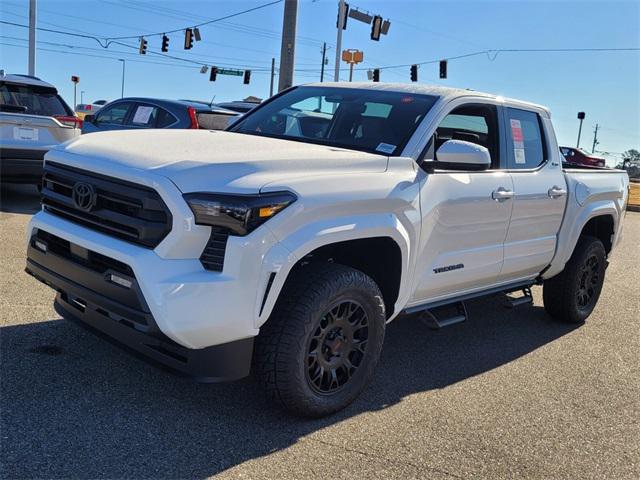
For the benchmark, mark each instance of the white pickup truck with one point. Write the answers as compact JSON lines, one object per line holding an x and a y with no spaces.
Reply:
{"x":287,"y":243}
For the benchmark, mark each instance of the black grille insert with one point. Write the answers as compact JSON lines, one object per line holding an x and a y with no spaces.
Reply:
{"x":93,"y":260}
{"x":212,"y":257}
{"x":122,"y":209}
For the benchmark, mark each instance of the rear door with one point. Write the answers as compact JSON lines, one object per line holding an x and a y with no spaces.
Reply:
{"x":146,"y":115}
{"x":540,"y":194}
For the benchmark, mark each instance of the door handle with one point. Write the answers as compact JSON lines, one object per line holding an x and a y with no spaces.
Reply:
{"x":501,"y":194}
{"x":556,"y":191}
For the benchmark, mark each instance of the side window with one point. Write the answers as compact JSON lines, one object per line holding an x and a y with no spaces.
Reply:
{"x":164,"y":118}
{"x":525,"y":144}
{"x":113,"y":115}
{"x":472,"y":123}
{"x":144,"y":116}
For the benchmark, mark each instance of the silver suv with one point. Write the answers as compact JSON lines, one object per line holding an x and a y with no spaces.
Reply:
{"x":33,"y":119}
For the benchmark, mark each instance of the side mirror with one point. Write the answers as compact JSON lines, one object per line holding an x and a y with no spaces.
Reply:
{"x":460,"y":155}
{"x":89,"y":118}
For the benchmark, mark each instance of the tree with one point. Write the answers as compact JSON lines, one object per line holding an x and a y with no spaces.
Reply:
{"x":633,"y":155}
{"x":631,"y":162}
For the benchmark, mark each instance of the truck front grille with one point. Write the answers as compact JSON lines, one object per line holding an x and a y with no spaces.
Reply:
{"x":129,"y":211}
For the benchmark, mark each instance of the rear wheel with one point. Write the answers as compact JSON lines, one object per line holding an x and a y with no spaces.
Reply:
{"x":319,"y":349}
{"x":572,"y":295}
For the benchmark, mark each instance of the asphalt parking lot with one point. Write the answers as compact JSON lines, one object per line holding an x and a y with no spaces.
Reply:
{"x":509,"y":394}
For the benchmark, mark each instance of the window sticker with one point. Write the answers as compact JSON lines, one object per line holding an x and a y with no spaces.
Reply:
{"x":516,"y":134}
{"x":518,"y":141}
{"x":519,"y":155}
{"x":142,"y":114}
{"x":385,"y":148}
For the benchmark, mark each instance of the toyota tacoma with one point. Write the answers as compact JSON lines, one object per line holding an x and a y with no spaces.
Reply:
{"x":285,"y":245}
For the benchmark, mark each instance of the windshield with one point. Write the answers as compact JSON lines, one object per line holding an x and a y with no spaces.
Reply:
{"x":33,"y":100}
{"x":361,"y":119}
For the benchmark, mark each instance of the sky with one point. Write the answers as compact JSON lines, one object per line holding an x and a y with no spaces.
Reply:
{"x":605,"y":85}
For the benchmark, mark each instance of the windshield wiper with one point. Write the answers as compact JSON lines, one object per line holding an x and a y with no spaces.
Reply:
{"x":5,"y":107}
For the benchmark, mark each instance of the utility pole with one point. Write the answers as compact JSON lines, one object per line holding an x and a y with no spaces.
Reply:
{"x":324,"y":59}
{"x":122,"y":90}
{"x":288,"y":48}
{"x":273,"y":74}
{"x":32,"y":36}
{"x":595,"y":139}
{"x":341,"y":14}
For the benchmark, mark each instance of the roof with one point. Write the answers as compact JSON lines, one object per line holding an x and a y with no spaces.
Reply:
{"x":184,"y":103}
{"x":447,"y":93}
{"x":25,"y":80}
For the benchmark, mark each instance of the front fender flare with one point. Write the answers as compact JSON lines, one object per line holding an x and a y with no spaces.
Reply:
{"x":283,"y":256}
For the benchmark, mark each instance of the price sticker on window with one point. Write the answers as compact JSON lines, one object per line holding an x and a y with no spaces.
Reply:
{"x":518,"y":142}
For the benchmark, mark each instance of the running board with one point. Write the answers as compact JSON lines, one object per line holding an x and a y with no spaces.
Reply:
{"x":483,"y":293}
{"x":525,"y":299}
{"x":444,"y":315}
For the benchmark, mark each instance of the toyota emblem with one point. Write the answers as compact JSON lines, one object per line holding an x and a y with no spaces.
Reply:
{"x":84,"y":196}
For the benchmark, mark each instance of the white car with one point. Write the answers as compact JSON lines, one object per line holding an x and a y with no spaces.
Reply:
{"x":290,"y":241}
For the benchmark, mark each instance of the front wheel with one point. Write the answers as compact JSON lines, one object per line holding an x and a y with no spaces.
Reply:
{"x":572,"y":295}
{"x":319,"y":348}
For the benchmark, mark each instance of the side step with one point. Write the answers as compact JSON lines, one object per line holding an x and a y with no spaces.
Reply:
{"x":525,"y":299}
{"x":445,"y":315}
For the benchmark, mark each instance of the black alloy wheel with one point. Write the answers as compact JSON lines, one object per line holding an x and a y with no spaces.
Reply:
{"x":337,"y":347}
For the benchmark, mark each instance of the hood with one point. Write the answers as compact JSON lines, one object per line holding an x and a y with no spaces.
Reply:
{"x":203,"y":160}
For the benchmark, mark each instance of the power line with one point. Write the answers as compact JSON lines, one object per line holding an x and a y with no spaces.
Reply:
{"x":135,"y":54}
{"x":219,"y":19}
{"x":129,"y":27}
{"x":235,"y":27}
{"x":493,"y":54}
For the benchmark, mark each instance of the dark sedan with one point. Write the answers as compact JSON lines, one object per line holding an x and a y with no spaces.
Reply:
{"x":133,"y":113}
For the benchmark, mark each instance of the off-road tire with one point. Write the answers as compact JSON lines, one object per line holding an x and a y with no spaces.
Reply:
{"x":564,"y":294}
{"x":281,"y":361}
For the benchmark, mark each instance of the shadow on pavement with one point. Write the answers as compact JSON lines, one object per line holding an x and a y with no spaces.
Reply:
{"x":15,"y":198}
{"x":75,"y":406}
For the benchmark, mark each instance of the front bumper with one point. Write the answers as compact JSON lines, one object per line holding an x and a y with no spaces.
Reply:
{"x":85,"y":294}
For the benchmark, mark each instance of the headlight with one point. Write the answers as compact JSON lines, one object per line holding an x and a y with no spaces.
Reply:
{"x":241,"y":214}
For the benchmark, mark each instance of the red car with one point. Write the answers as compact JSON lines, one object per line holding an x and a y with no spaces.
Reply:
{"x":582,"y":157}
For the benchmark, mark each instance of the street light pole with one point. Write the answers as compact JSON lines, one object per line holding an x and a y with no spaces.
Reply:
{"x":32,"y":36}
{"x":122,"y":90}
{"x":81,"y":96}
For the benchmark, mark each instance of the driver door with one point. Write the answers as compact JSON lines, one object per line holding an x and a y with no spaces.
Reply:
{"x":463,"y":231}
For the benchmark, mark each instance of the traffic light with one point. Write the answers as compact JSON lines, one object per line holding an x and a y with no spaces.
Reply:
{"x":247,"y":77}
{"x":188,"y":39}
{"x":376,"y":74}
{"x":165,"y":43}
{"x":346,"y":14}
{"x":196,"y":34}
{"x":143,"y":46}
{"x":414,"y":73}
{"x":376,"y":28}
{"x":214,"y":74}
{"x":443,"y":69}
